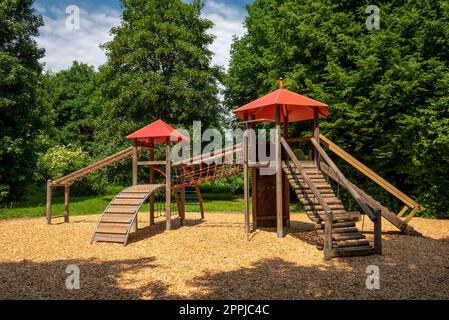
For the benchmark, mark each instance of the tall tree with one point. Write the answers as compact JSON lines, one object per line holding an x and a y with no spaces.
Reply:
{"x":387,"y":88}
{"x":71,"y":96}
{"x":19,"y":77}
{"x":159,"y":66}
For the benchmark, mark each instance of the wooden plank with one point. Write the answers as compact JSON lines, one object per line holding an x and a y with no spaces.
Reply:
{"x":403,"y":210}
{"x":386,"y":213}
{"x":151,"y":220}
{"x":352,"y":251}
{"x":150,"y":163}
{"x":121,"y":209}
{"x":110,"y":237}
{"x":131,"y":195}
{"x":117,"y":218}
{"x":114,"y":228}
{"x":130,"y":202}
{"x":369,"y":173}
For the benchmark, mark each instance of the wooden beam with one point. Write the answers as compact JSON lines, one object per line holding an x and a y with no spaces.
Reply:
{"x":49,"y":198}
{"x":245,"y":175}
{"x":298,"y":139}
{"x":279,"y":222}
{"x":403,"y":210}
{"x":152,"y":182}
{"x":134,"y":165}
{"x":66,"y":203}
{"x":151,"y":163}
{"x":378,"y":231}
{"x":316,"y":133}
{"x":254,"y":182}
{"x":286,"y":182}
{"x":167,"y":185}
{"x":369,"y":173}
{"x":386,"y":213}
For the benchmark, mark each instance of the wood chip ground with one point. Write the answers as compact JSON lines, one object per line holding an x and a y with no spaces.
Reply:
{"x":212,"y":259}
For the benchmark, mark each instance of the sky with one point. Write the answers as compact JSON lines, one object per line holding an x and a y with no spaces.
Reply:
{"x":64,"y":42}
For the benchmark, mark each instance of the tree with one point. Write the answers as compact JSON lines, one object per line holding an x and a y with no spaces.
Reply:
{"x":159,"y":66}
{"x":72,"y":97}
{"x":19,"y":77}
{"x":387,"y":89}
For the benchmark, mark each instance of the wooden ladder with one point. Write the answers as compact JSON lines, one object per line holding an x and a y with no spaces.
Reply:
{"x":346,"y":238}
{"x":120,"y":215}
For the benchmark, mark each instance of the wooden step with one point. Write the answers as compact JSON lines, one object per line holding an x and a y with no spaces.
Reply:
{"x":353,"y":251}
{"x":131,"y":195}
{"x":114,"y":228}
{"x":117,"y":218}
{"x":346,"y":236}
{"x":110,"y":237}
{"x":124,"y":201}
{"x":345,"y":244}
{"x":121,"y":209}
{"x":314,"y":201}
{"x":337,"y":225}
{"x":340,"y":230}
{"x":333,"y":206}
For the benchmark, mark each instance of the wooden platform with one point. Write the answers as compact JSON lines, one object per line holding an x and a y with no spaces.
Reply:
{"x":117,"y":219}
{"x":346,"y":238}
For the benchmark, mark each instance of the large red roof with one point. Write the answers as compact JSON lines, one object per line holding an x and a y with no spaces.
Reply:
{"x":158,"y":131}
{"x":298,"y":107}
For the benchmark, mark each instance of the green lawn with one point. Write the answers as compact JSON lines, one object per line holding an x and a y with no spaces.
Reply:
{"x":34,"y":204}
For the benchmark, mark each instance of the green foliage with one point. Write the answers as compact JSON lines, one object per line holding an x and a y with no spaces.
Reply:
{"x":71,"y":96}
{"x":387,"y":89}
{"x":158,"y":68}
{"x":61,"y":160}
{"x":231,"y":184}
{"x":19,"y":76}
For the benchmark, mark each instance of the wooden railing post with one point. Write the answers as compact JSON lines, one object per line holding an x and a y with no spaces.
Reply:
{"x":49,"y":198}
{"x":66,"y":203}
{"x":134,"y":165}
{"x":328,"y":234}
{"x":378,"y":231}
{"x":316,"y":135}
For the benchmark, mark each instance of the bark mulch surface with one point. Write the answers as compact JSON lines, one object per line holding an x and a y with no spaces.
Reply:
{"x":212,"y":259}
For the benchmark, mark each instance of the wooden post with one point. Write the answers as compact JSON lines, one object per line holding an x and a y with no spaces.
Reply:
{"x":378,"y":231}
{"x":134,"y":179}
{"x":66,"y":203}
{"x":183,"y":200}
{"x":134,"y":164}
{"x":286,"y":183}
{"x":328,"y":235}
{"x":316,"y":135}
{"x":152,"y":182}
{"x":254,"y":180}
{"x":279,"y":224}
{"x":245,"y":174}
{"x":167,"y":185}
{"x":49,"y":196}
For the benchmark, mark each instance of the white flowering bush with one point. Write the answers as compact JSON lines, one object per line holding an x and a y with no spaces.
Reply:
{"x":61,"y":160}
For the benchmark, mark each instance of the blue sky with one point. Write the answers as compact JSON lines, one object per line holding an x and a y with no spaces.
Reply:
{"x":97,"y":17}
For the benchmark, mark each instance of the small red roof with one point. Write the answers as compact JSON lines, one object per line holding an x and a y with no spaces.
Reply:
{"x":298,"y":107}
{"x":158,"y":131}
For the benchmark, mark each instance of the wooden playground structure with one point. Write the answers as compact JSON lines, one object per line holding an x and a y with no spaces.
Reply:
{"x":309,"y":177}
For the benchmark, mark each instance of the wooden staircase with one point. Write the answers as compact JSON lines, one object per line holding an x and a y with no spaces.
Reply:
{"x":346,"y":238}
{"x":119,"y":216}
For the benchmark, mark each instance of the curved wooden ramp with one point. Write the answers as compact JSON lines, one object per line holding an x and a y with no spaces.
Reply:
{"x":117,"y":219}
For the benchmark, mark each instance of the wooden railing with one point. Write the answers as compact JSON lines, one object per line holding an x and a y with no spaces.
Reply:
{"x":409,"y":204}
{"x":328,"y":211}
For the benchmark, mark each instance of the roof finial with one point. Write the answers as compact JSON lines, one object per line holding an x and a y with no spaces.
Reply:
{"x":281,"y":83}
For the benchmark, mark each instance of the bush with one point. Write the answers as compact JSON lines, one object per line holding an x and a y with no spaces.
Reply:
{"x":61,"y":160}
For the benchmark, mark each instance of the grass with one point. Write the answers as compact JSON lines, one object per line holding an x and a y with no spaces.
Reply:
{"x":34,"y":204}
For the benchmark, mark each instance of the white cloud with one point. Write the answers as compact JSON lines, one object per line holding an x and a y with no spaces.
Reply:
{"x":63,"y":46}
{"x":228,"y":22}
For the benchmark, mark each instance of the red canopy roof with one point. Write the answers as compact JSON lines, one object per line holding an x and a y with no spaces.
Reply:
{"x":298,"y":107}
{"x":158,"y":131}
